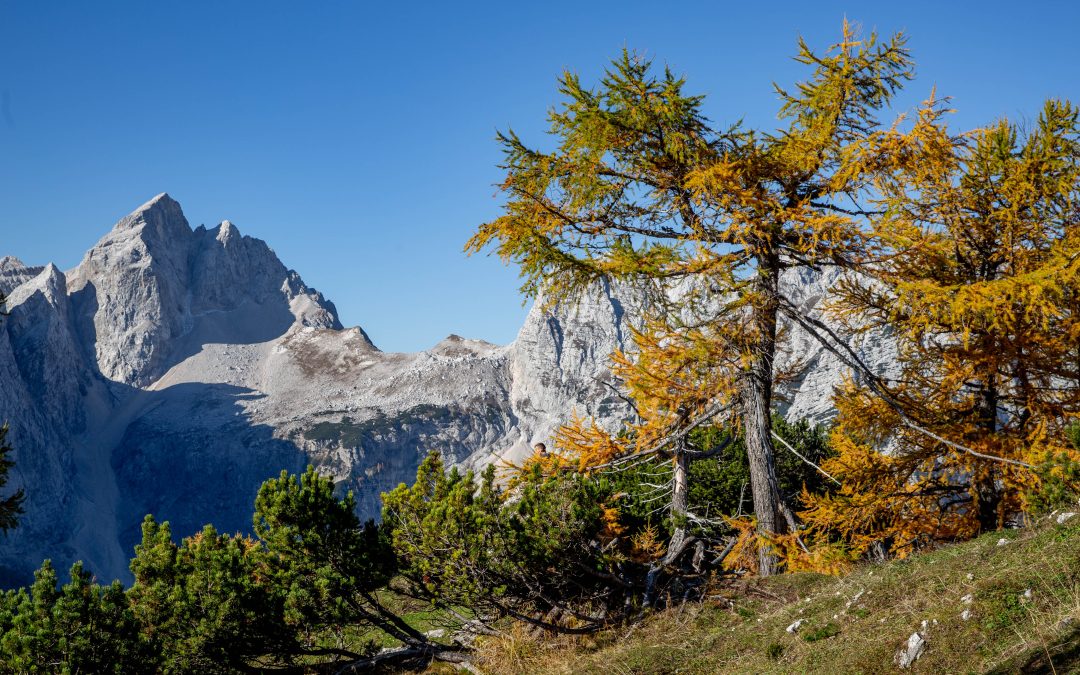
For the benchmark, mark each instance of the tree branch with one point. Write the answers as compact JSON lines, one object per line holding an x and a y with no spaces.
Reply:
{"x":848,"y":357}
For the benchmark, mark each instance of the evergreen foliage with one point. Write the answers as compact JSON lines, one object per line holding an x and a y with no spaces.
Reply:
{"x":200,"y":603}
{"x":80,"y":627}
{"x":537,"y":552}
{"x":10,"y":506}
{"x":566,"y":550}
{"x":218,"y":603}
{"x":720,"y":486}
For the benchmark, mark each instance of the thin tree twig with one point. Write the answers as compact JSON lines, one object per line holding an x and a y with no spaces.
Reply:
{"x":796,"y":453}
{"x":849,"y":358}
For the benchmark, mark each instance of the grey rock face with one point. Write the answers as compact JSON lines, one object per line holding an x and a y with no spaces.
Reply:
{"x":13,"y":273}
{"x":174,"y":370}
{"x":156,"y":291}
{"x":559,"y":365}
{"x":819,"y":372}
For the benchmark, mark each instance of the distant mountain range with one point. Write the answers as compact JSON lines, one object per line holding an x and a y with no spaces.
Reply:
{"x":174,"y":370}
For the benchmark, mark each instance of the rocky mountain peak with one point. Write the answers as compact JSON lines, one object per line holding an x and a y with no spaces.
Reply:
{"x":10,"y":263}
{"x":160,"y":218}
{"x":50,"y":283}
{"x":13,"y":273}
{"x":155,"y":290}
{"x":227,"y":232}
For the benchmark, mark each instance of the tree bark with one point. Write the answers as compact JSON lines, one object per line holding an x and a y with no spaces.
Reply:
{"x":987,"y":493}
{"x":756,"y":400}
{"x":680,"y":488}
{"x":679,"y":497}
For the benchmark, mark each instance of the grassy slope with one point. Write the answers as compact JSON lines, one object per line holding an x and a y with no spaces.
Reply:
{"x":742,"y":628}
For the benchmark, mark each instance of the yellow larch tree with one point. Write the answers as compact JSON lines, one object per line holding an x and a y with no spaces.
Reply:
{"x":978,"y":280}
{"x":640,"y":186}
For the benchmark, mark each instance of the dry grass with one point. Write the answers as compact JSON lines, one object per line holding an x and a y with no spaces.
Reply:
{"x":1024,"y":604}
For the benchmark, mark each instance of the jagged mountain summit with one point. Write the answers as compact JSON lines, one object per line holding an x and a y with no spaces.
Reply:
{"x":175,"y":369}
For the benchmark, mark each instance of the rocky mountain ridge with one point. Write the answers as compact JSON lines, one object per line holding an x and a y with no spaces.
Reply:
{"x":175,"y":369}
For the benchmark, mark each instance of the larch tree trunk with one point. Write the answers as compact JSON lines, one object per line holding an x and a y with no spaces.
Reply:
{"x":756,"y":404}
{"x":987,"y":491}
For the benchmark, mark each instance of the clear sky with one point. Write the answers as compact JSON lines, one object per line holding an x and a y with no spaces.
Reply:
{"x":357,"y":138}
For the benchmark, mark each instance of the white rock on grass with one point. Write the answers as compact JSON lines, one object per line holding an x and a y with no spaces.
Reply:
{"x":855,"y":598}
{"x":1062,"y":517}
{"x":911,"y":652}
{"x":794,"y":627}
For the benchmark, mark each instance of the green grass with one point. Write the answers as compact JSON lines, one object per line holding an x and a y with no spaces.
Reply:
{"x":743,"y":630}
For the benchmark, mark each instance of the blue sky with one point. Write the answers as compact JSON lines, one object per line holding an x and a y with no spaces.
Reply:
{"x":357,"y":138}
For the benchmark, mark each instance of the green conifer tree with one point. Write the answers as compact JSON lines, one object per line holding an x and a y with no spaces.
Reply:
{"x":10,"y":506}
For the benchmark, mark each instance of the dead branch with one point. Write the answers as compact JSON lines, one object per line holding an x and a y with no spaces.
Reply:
{"x":848,"y":357}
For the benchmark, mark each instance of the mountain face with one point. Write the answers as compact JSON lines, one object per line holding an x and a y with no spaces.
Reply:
{"x":174,"y":370}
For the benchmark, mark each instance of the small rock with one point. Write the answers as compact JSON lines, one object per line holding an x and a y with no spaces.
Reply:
{"x":968,"y":599}
{"x":1027,"y":594}
{"x":1065,"y":516}
{"x":911,"y":652}
{"x":854,"y":599}
{"x":794,"y":627}
{"x":1002,"y":541}
{"x":437,"y":633}
{"x":970,"y":576}
{"x":965,"y":615}
{"x":925,"y":624}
